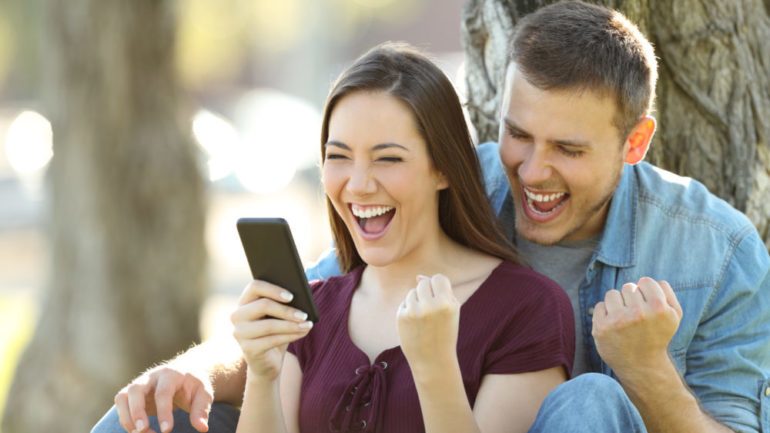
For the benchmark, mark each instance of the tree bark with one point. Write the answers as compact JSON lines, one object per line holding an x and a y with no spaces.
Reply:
{"x":713,"y":95}
{"x":126,"y":214}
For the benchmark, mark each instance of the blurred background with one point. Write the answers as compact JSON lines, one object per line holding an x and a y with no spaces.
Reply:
{"x":252,"y":77}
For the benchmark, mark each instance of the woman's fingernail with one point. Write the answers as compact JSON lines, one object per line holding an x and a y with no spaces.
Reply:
{"x":306,"y":325}
{"x":300,"y":315}
{"x":164,"y":426}
{"x":287,"y":295}
{"x":139,"y":425}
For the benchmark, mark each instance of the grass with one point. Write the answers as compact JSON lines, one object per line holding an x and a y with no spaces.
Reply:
{"x":17,"y":322}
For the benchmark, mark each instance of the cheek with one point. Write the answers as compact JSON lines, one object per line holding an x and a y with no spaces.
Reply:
{"x":510,"y":154}
{"x":331,"y":180}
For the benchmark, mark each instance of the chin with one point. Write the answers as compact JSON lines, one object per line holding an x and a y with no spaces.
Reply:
{"x":541,"y":237}
{"x":376,"y":259}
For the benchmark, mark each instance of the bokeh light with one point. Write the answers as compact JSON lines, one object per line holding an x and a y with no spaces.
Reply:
{"x":280,"y":135}
{"x":219,"y":139}
{"x":29,"y":143}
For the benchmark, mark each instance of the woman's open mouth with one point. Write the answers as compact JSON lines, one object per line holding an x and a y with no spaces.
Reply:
{"x":373,"y":220}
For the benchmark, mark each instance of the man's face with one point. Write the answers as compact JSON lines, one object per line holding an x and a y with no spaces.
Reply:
{"x":563,"y":157}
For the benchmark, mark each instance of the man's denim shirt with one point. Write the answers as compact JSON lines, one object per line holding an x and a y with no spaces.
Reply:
{"x":671,"y":228}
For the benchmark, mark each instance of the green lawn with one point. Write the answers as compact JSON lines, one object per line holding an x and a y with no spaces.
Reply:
{"x":17,"y":321}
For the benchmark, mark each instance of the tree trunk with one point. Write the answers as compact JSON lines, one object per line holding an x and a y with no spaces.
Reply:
{"x":126,"y":214}
{"x":713,"y":95}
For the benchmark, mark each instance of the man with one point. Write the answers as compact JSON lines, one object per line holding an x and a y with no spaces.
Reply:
{"x":670,"y":285}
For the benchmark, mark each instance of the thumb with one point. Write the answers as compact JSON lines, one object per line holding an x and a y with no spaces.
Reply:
{"x":199,"y":410}
{"x":671,"y":298}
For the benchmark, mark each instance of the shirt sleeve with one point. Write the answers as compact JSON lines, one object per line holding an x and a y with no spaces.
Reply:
{"x":733,"y":341}
{"x":325,"y":267}
{"x":540,"y":334}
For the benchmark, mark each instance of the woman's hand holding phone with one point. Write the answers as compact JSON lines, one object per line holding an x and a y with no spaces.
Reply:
{"x":264,"y":325}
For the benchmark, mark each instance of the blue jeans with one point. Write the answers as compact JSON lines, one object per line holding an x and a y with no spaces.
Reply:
{"x":222,"y":419}
{"x":589,"y":403}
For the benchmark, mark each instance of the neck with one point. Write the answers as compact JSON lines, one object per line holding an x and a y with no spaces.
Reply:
{"x":397,"y":278}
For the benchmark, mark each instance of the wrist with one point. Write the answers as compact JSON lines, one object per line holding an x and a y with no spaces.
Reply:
{"x":436,"y":368}
{"x":650,"y":375}
{"x":254,"y":379}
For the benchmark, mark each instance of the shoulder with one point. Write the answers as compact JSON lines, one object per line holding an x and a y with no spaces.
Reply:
{"x":495,"y":180}
{"x":526,"y":287}
{"x":676,"y":197}
{"x":680,"y":223}
{"x":334,"y":288}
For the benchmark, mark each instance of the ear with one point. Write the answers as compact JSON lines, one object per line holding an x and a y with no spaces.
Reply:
{"x":638,"y":140}
{"x":441,"y":181}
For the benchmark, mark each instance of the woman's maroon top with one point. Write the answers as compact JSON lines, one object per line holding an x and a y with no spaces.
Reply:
{"x":517,"y":321}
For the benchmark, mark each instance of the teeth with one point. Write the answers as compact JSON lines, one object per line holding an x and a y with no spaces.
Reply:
{"x":369,"y":212}
{"x":543,"y":197}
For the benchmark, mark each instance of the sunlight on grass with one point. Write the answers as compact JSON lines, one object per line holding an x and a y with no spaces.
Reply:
{"x":17,"y":322}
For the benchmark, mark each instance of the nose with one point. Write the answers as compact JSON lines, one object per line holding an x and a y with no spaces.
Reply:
{"x":535,"y":168}
{"x":361,"y":181}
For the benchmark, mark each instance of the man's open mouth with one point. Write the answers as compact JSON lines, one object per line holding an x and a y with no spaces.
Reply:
{"x":542,"y":206}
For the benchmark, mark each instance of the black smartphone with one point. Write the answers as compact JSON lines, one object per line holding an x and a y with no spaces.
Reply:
{"x":273,"y":257}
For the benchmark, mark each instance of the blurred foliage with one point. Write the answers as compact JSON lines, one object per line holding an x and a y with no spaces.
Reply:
{"x":216,"y":38}
{"x":17,"y":321}
{"x":6,"y":45}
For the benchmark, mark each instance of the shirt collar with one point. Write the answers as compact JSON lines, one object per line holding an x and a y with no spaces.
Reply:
{"x":618,"y":243}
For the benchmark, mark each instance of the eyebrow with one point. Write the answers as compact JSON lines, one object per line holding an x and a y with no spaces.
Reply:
{"x":380,"y":146}
{"x":573,"y":143}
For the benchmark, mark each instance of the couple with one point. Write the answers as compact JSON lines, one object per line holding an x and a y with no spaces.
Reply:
{"x":669,"y":286}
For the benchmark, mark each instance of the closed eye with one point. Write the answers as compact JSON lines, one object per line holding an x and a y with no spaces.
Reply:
{"x":336,"y":156}
{"x":516,"y":134}
{"x":390,"y":159}
{"x":570,"y":153}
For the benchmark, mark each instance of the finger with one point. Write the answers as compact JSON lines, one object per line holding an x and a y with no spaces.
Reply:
{"x":137,"y":395}
{"x":124,"y":416}
{"x":199,"y":410}
{"x":653,"y":293}
{"x":263,"y":307}
{"x":165,"y":391}
{"x":266,"y":327}
{"x":264,"y":344}
{"x":442,"y":287}
{"x":262,"y":289}
{"x":613,"y":301}
{"x":632,"y":295}
{"x":423,"y":290}
{"x":600,"y":310}
{"x":411,"y":300}
{"x":668,"y":291}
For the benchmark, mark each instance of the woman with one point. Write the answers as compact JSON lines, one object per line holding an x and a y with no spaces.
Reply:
{"x":434,"y":326}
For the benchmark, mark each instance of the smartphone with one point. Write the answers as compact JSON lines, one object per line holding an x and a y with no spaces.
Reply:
{"x":273,"y":257}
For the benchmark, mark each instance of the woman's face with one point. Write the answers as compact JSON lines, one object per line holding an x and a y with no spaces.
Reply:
{"x":380,"y":179}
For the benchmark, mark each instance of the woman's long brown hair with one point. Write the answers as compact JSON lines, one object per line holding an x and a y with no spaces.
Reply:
{"x":401,"y":71}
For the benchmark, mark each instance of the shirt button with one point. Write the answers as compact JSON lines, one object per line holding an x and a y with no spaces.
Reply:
{"x":767,"y":391}
{"x":591,"y":311}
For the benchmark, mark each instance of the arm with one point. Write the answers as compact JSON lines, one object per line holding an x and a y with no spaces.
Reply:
{"x":264,"y":326}
{"x":664,"y":400}
{"x":632,"y":329}
{"x":261,"y":411}
{"x":191,"y":381}
{"x":428,"y":325}
{"x":505,"y":403}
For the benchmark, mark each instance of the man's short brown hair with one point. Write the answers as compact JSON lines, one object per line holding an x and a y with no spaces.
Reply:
{"x":575,"y":45}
